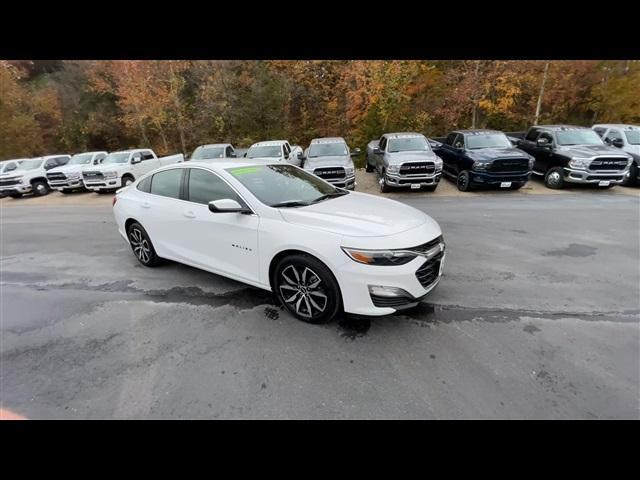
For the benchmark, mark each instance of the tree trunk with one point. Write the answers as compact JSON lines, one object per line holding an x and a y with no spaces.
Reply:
{"x":544,"y":81}
{"x":178,"y":107}
{"x":474,"y":107}
{"x":163,"y":137}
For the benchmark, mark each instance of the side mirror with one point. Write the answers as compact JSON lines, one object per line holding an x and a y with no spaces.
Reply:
{"x":286,"y":156}
{"x":300,"y":155}
{"x":617,"y":142}
{"x":227,"y":205}
{"x":543,"y":142}
{"x":135,"y":160}
{"x":356,"y":152}
{"x":377,"y":151}
{"x":459,"y":146}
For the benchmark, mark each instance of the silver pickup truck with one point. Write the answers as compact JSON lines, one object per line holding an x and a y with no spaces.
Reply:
{"x":330,"y":159}
{"x":404,"y":160}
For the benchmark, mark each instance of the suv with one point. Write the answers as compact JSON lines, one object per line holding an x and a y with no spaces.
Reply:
{"x":404,"y":160}
{"x":30,"y":176}
{"x":627,"y":138}
{"x":570,"y":154}
{"x":330,"y":159}
{"x":475,"y":158}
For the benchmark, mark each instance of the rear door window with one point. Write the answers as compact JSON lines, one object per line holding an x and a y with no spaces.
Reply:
{"x":532,"y":134}
{"x":167,"y":183}
{"x":205,"y":187}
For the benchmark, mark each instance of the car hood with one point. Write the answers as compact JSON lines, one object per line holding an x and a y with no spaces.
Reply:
{"x":587,"y":151}
{"x":328,"y":161}
{"x":68,"y":168}
{"x":402,"y":157}
{"x":488,"y":154}
{"x":358,"y":215}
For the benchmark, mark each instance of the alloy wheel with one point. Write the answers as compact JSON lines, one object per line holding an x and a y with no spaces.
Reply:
{"x":554,"y":178}
{"x":140,"y":245}
{"x":302,"y":290}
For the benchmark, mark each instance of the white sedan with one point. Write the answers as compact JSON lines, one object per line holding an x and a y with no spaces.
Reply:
{"x":321,"y":249}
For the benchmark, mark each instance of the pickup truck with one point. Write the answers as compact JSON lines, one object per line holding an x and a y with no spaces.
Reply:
{"x":120,"y":169}
{"x":30,"y":176}
{"x":213,"y":150}
{"x":68,"y":178}
{"x":570,"y":154}
{"x":330,"y":159}
{"x":276,"y":150}
{"x":7,"y":166}
{"x":626,"y":138}
{"x":475,"y":158}
{"x":404,"y":160}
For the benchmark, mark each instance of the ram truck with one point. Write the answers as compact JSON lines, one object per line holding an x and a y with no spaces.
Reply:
{"x":213,"y":151}
{"x":404,"y":160}
{"x":68,"y":177}
{"x":330,"y":159}
{"x":483,"y":158}
{"x":274,"y":150}
{"x":570,"y":154}
{"x":626,"y":138}
{"x":7,"y":166}
{"x":120,"y":169}
{"x":30,"y":176}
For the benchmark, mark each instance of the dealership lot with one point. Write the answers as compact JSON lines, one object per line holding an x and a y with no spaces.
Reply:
{"x":536,"y":317}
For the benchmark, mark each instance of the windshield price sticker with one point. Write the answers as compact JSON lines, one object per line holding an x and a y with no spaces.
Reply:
{"x":243,"y":170}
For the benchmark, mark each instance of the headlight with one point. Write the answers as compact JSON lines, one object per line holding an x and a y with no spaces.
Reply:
{"x":19,"y":179}
{"x":110,"y":174}
{"x":438,"y":163}
{"x":531,"y":162}
{"x":380,"y":257}
{"x":348,"y":171}
{"x":393,"y":169}
{"x":579,"y":162}
{"x":479,"y":165}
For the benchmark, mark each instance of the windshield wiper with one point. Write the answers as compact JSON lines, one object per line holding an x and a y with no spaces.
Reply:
{"x":290,"y":203}
{"x":329,"y":195}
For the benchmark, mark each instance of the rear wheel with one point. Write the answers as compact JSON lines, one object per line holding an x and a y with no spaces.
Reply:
{"x":554,"y":178}
{"x":142,"y":246}
{"x":40,"y":188}
{"x":463,"y":181}
{"x":307,"y":288}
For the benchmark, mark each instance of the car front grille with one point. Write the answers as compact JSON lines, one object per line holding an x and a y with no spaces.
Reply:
{"x":428,"y":272}
{"x":417,"y":168}
{"x":511,"y":165}
{"x":93,"y":176}
{"x":8,"y":182}
{"x":56,"y":176}
{"x":608,"y":163}
{"x":605,"y":177}
{"x":330,"y":173}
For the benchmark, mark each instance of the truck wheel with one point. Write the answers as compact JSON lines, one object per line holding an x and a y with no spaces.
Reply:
{"x":632,"y":179}
{"x":307,"y":288}
{"x":142,"y":246}
{"x":40,"y":188}
{"x":553,"y":178}
{"x":16,"y":195}
{"x":384,"y":188}
{"x":127,"y":180}
{"x":464,"y":181}
{"x":368,"y":167}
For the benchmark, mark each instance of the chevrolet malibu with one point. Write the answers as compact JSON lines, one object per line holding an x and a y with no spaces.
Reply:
{"x":321,"y":249}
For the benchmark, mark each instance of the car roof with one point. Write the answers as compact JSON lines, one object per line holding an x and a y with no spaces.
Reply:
{"x":327,"y":140}
{"x":14,"y":160}
{"x":270,"y":143}
{"x":476,"y":131}
{"x":214,"y":145}
{"x":561,"y":127}
{"x":621,"y":126}
{"x":225,"y":163}
{"x":403,"y":134}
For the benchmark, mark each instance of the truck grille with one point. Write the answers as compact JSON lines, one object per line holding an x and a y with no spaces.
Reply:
{"x":56,"y":176}
{"x":519,"y":165}
{"x":330,"y":173}
{"x":607,"y":163}
{"x":93,"y":176}
{"x":418,"y":168}
{"x":428,"y":272}
{"x":10,"y":181}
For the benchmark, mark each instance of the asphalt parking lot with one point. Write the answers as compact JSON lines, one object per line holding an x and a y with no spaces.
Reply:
{"x":537,"y":316}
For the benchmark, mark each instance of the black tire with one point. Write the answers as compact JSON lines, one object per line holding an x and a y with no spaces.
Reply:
{"x":632,"y":179}
{"x":16,"y":195}
{"x":127,"y":180}
{"x":310,"y":300}
{"x":141,"y":245}
{"x":40,"y":188}
{"x":384,"y":188}
{"x":554,"y":178}
{"x":463,"y":182}
{"x":368,"y":168}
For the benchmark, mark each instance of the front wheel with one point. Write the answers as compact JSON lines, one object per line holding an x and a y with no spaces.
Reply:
{"x":127,"y":180}
{"x":40,"y":188}
{"x":463,"y":181}
{"x":554,"y":178}
{"x":632,"y":179}
{"x":384,"y":188}
{"x":369,"y":167}
{"x":307,"y":288}
{"x":142,"y":246}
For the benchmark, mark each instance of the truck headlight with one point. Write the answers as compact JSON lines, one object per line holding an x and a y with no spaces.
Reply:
{"x":394,"y":169}
{"x":380,"y":257}
{"x":479,"y":165}
{"x":581,"y":163}
{"x":438,"y":163}
{"x":531,"y":162}
{"x":110,"y":174}
{"x":348,"y":171}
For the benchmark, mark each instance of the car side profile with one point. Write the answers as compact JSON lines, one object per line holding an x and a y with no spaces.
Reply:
{"x":321,"y":249}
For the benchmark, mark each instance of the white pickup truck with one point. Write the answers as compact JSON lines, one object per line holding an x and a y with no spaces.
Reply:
{"x":30,"y":176}
{"x":276,"y":150}
{"x":68,"y":178}
{"x":120,"y":169}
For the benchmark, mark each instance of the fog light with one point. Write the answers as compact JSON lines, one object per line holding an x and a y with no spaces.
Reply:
{"x":382,"y":291}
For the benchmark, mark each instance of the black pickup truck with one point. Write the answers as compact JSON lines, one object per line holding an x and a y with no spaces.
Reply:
{"x":476,"y":158}
{"x":571,"y":154}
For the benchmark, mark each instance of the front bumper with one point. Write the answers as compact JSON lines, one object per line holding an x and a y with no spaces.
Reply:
{"x":589,"y":177}
{"x":405,"y":181}
{"x":355,"y":278}
{"x":349,"y":183}
{"x":493,"y":179}
{"x":13,"y":189}
{"x":66,"y":184}
{"x":103,"y":184}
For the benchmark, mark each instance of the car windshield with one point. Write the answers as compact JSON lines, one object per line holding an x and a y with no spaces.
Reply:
{"x":116,"y":158}
{"x":578,"y":137}
{"x":328,"y":150}
{"x":284,"y":185}
{"x":31,"y":164}
{"x":80,"y":159}
{"x":633,"y":137}
{"x":408,"y":144}
{"x":492,"y":140}
{"x":272,"y":151}
{"x":8,"y":166}
{"x":205,"y":153}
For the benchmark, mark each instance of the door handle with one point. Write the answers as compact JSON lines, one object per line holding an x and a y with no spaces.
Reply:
{"x":145,"y":205}
{"x":189,"y":214}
